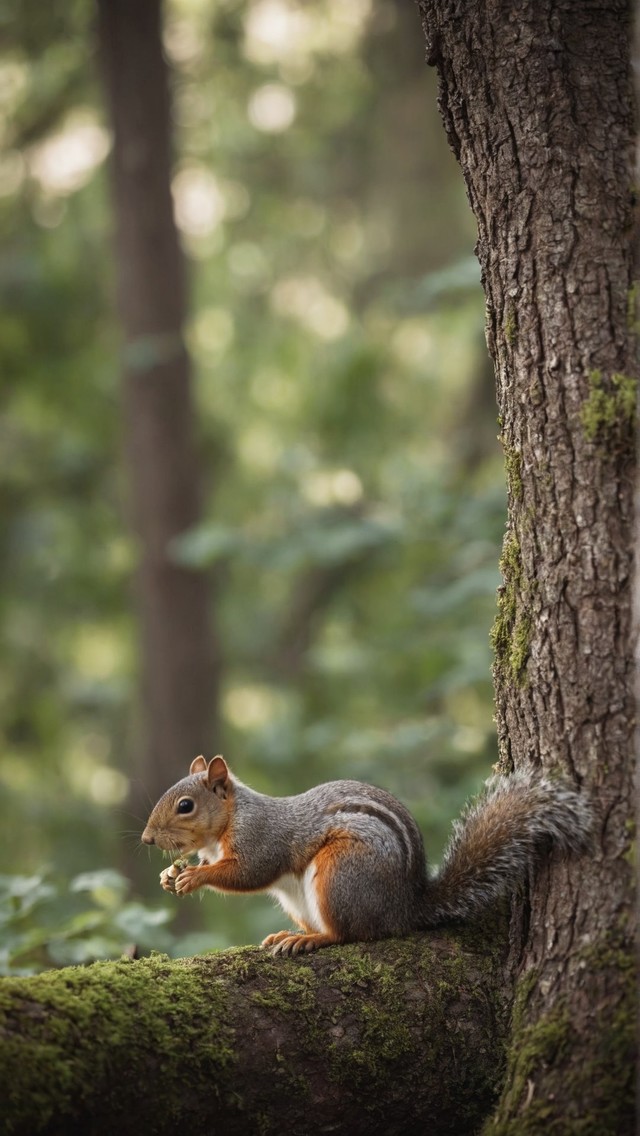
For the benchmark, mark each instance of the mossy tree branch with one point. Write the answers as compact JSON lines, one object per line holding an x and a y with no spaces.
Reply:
{"x":383,"y":1036}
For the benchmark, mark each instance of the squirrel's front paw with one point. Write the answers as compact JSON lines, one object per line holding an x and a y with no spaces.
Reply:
{"x":168,"y":877}
{"x":189,"y":880}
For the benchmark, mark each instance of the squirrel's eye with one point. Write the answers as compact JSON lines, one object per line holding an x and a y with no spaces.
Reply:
{"x":185,"y":805}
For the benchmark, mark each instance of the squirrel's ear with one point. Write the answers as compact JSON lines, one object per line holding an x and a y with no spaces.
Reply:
{"x":198,"y":765}
{"x":217,"y":778}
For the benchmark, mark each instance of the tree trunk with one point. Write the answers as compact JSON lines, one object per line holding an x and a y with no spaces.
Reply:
{"x":393,"y":1037}
{"x":178,"y":671}
{"x":537,"y":102}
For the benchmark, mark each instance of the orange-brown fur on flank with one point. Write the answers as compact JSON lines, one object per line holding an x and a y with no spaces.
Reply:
{"x":323,"y":864}
{"x":346,"y":860}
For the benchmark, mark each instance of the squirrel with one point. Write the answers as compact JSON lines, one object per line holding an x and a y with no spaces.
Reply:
{"x":346,"y":860}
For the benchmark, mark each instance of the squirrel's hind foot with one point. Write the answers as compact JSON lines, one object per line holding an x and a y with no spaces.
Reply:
{"x":291,"y":943}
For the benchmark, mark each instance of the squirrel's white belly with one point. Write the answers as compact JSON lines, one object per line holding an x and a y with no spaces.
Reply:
{"x":297,"y":895}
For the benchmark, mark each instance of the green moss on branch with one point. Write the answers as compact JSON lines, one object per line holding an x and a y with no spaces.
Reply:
{"x":367,"y":1034}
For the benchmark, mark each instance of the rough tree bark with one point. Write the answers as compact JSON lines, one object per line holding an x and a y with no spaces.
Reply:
{"x":178,"y":669}
{"x":538,"y":105}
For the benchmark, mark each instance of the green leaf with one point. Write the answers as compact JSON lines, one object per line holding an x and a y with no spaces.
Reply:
{"x":135,"y":920}
{"x":19,"y":895}
{"x":106,"y":885}
{"x":69,"y":952}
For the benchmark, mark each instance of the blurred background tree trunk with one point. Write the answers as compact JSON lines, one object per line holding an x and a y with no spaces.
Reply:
{"x":177,"y":658}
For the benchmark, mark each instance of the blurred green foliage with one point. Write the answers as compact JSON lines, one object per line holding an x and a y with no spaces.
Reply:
{"x":355,"y":491}
{"x":48,"y":922}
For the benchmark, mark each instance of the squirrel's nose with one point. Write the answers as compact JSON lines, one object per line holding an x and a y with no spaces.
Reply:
{"x":147,"y":838}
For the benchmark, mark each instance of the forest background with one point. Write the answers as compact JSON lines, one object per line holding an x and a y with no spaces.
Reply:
{"x":353,"y":484}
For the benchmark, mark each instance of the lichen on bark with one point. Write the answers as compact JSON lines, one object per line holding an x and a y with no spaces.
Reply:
{"x":611,"y":405}
{"x":606,"y":1081}
{"x":511,"y":632}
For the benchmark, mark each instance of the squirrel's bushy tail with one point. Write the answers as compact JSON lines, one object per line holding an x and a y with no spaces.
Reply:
{"x":500,"y":837}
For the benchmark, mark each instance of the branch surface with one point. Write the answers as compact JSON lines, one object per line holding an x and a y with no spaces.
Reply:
{"x":384,"y":1036}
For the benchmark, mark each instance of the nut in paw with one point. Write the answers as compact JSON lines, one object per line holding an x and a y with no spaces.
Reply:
{"x":168,"y":878}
